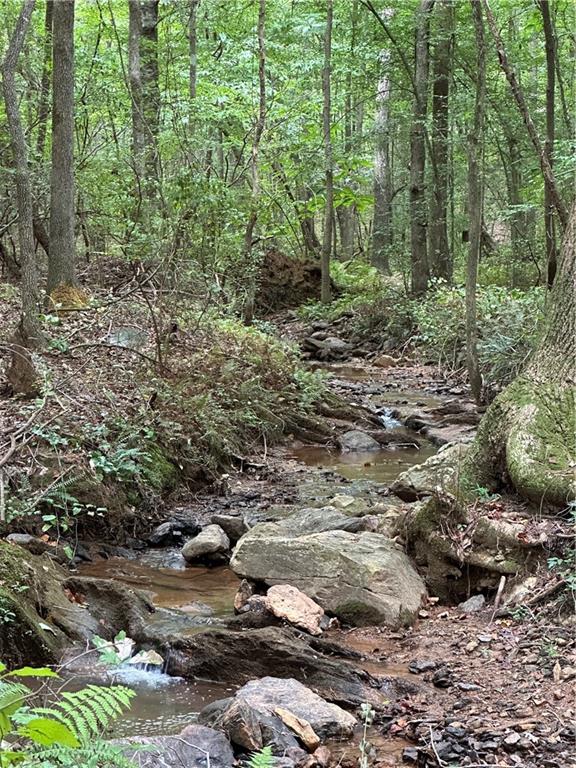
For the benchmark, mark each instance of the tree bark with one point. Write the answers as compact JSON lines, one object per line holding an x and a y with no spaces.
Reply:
{"x":418,"y":213}
{"x":192,"y":49}
{"x":475,"y":205}
{"x":440,"y":257}
{"x":135,"y":81}
{"x":21,"y":372}
{"x":518,"y":94}
{"x":550,"y":44}
{"x":62,"y":257}
{"x":150,"y":94}
{"x":382,"y":224}
{"x":326,"y":290}
{"x":248,"y":311}
{"x":526,"y":438}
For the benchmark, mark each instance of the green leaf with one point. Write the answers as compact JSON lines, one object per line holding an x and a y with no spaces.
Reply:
{"x":44,"y":731}
{"x":33,"y":672}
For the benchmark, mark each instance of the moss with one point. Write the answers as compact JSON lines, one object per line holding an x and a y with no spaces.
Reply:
{"x":158,"y":471}
{"x":22,"y":638}
{"x":68,"y":297}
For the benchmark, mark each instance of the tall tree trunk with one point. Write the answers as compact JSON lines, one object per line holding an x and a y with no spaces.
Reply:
{"x":326,"y":291}
{"x":382,"y":223}
{"x":518,"y":94}
{"x":135,"y":81}
{"x":418,"y":213}
{"x":440,"y":257}
{"x":62,"y":258}
{"x":150,"y":94}
{"x":21,"y":373}
{"x":192,"y":49}
{"x":40,"y":232}
{"x":526,"y":438}
{"x":475,"y":204}
{"x":251,"y":267}
{"x":550,"y":43}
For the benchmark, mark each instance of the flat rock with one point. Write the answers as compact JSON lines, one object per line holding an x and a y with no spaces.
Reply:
{"x":385,"y":361}
{"x":356,"y":441}
{"x":37,"y":546}
{"x":287,"y":602}
{"x":211,"y":544}
{"x":195,"y":747}
{"x":233,"y":526}
{"x":270,"y":693}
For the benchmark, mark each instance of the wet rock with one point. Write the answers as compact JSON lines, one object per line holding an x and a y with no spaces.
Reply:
{"x":410,"y":755}
{"x":236,"y":657}
{"x":287,"y":602}
{"x":210,"y":545}
{"x":442,"y":678}
{"x":243,"y":595}
{"x":234,"y":527}
{"x":473,"y":604}
{"x":357,"y":441}
{"x":419,"y":666}
{"x":195,"y":747}
{"x":172,"y":532}
{"x":330,"y":348}
{"x":361,"y":578}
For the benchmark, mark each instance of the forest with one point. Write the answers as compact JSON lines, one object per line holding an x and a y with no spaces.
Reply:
{"x":287,"y":383}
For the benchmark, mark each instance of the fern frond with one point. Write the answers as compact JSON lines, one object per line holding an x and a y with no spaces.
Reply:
{"x":261,"y":759}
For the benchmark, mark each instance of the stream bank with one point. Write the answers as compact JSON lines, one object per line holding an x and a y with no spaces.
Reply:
{"x":426,"y":682}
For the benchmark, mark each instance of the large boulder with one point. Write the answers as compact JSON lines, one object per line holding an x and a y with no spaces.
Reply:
{"x":211,"y":545}
{"x":363,"y":578}
{"x":195,"y":747}
{"x":441,"y":472}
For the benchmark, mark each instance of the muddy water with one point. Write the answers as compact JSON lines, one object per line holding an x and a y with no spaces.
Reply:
{"x":196,"y":591}
{"x":380,"y":466}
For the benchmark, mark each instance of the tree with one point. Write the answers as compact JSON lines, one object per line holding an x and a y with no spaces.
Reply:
{"x":475,"y":204}
{"x":550,"y":42}
{"x":326,"y":291}
{"x":28,"y":336}
{"x":135,"y":81}
{"x":418,"y":211}
{"x":382,"y":224}
{"x":150,"y":85}
{"x":439,"y":250}
{"x":62,"y":257}
{"x":527,"y":436}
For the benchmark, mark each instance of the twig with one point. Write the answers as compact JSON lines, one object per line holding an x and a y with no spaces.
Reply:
{"x":501,"y":586}
{"x":440,"y":762}
{"x":108,"y":345}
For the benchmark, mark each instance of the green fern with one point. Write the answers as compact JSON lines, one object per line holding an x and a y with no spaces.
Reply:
{"x":261,"y":759}
{"x":98,"y":755}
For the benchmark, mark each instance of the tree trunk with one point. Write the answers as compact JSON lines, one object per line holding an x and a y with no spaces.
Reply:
{"x":192,"y":52}
{"x":326,"y":291}
{"x":440,"y":257}
{"x":418,"y":213}
{"x":62,"y":257}
{"x":518,"y":94}
{"x":44,"y":99}
{"x":527,"y":438}
{"x":150,"y":94}
{"x":550,"y":42}
{"x":135,"y":81}
{"x":251,"y":267}
{"x":475,"y":205}
{"x":382,"y":224}
{"x":21,"y":373}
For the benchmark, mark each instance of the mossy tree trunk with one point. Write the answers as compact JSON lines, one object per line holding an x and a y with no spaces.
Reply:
{"x":527,"y":439}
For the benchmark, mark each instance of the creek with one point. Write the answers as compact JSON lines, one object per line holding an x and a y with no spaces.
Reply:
{"x":191,"y":599}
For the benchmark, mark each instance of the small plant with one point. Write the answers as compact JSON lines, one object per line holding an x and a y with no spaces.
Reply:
{"x":261,"y":759}
{"x":483,"y":494}
{"x":365,"y":747}
{"x":71,"y":723}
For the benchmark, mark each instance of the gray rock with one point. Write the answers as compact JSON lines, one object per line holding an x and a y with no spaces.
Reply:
{"x":172,"y":531}
{"x":234,"y":527}
{"x":38,"y":546}
{"x":357,"y":441}
{"x":195,"y":747}
{"x":363,"y":578}
{"x":439,"y":471}
{"x":211,"y":544}
{"x":251,"y":718}
{"x":473,"y":604}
